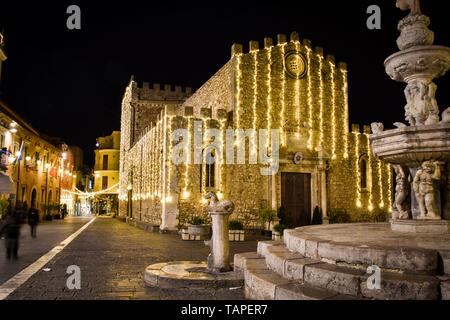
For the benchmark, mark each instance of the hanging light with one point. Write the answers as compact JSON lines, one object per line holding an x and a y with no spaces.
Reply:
{"x":27,"y":158}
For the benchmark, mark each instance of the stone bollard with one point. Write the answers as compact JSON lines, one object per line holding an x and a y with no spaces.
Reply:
{"x":219,"y":258}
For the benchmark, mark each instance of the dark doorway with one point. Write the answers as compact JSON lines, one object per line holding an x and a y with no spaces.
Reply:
{"x":130,"y":204}
{"x":33,"y":199}
{"x":296,"y":198}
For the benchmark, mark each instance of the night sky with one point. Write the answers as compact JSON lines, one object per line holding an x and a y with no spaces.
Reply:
{"x":70,"y":84}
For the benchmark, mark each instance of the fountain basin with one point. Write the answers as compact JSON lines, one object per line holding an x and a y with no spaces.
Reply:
{"x":418,"y":62}
{"x":411,"y":146}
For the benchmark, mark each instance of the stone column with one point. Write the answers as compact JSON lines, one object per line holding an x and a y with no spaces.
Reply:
{"x":219,"y":259}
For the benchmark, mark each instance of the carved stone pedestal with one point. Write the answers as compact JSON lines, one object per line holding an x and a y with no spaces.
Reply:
{"x":421,"y":226}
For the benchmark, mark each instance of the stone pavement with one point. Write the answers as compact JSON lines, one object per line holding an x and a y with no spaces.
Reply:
{"x":49,"y":234}
{"x":112,"y":257}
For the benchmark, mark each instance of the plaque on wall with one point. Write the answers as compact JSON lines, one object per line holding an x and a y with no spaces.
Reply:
{"x":295,"y":64}
{"x":298,"y":158}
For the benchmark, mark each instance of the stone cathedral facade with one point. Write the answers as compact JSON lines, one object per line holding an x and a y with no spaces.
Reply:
{"x":286,"y":85}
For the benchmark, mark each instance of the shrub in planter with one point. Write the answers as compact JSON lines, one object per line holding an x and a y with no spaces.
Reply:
{"x":278,"y":232}
{"x":339,"y":216}
{"x":236,"y":231}
{"x":235,"y":225}
{"x":267,"y":216}
{"x":198,"y":227}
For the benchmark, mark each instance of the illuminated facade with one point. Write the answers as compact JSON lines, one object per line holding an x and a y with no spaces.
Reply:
{"x":287,"y":86}
{"x":37,"y":165}
{"x":106,"y":171}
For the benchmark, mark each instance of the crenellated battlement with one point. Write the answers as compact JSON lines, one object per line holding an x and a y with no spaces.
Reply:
{"x":160,"y":92}
{"x":282,"y":39}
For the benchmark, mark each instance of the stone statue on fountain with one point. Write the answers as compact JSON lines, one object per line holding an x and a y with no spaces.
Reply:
{"x":418,"y":150}
{"x":425,"y":190}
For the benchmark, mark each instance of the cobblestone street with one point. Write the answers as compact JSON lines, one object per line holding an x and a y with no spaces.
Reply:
{"x":112,"y":257}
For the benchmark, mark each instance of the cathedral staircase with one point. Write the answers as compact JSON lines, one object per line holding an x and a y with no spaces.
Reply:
{"x":302,"y":267}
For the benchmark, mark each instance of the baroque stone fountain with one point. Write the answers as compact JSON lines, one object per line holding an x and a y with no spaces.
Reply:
{"x":419,"y":151}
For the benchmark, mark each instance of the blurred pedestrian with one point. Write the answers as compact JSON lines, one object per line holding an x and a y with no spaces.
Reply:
{"x":33,"y":220}
{"x":11,"y":230}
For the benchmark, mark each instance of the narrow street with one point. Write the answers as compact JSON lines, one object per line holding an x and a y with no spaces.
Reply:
{"x":112,"y":257}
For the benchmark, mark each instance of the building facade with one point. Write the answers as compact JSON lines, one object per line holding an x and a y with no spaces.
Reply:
{"x":36,"y":165}
{"x":287,"y":86}
{"x":106,"y":172}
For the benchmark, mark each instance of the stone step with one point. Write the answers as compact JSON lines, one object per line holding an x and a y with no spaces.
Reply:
{"x":346,"y":280}
{"x":413,"y":260}
{"x":445,"y":258}
{"x":263,"y":284}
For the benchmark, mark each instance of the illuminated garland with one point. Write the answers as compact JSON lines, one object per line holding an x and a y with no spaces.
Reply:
{"x":283,"y":103}
{"x":333,"y":111}
{"x":297,"y":98}
{"x":187,"y":151}
{"x":222,"y":159}
{"x":380,"y":183}
{"x":255,"y":89}
{"x":389,"y":169}
{"x":345,"y":79}
{"x":310,"y":101}
{"x":255,"y":98}
{"x":238,"y":89}
{"x":369,"y":166}
{"x":269,"y":95}
{"x":321,"y":99}
{"x":358,"y":172}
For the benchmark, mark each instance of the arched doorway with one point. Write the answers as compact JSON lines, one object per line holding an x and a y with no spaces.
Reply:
{"x":49,"y":199}
{"x":33,"y":203}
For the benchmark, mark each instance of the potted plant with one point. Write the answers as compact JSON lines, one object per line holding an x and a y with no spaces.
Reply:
{"x":267,"y":216}
{"x":198,"y":228}
{"x":55,"y":211}
{"x":48,"y":213}
{"x":277,"y":233}
{"x":236,"y":231}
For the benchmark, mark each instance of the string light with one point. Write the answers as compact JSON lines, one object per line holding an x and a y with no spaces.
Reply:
{"x":269,"y":95}
{"x":357,"y":170}
{"x":380,"y":183}
{"x":389,"y":170}
{"x":345,"y":80}
{"x":187,"y":151}
{"x":333,"y":111}
{"x":238,"y":88}
{"x":283,"y":102}
{"x":255,"y":96}
{"x":310,"y":100}
{"x":369,"y":166}
{"x":297,"y":97}
{"x":222,"y":160}
{"x":321,"y":88}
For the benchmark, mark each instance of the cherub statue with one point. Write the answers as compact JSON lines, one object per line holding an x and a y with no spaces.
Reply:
{"x":425,"y":190}
{"x":401,"y":193}
{"x":413,"y":5}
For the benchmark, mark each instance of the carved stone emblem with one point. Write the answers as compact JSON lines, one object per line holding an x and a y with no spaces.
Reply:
{"x":295,"y":64}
